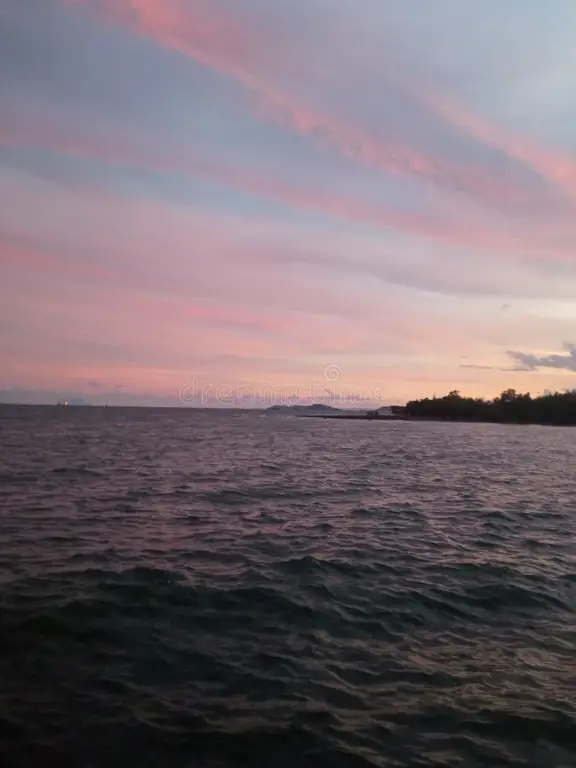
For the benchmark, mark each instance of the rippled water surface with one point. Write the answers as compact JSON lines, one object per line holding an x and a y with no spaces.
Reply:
{"x":196,"y":588}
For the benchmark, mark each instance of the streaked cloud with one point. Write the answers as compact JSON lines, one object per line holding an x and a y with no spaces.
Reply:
{"x":530,"y":362}
{"x":246,"y":192}
{"x":231,"y":44}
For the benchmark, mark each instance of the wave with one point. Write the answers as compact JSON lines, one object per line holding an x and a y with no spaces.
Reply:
{"x":352,"y":599}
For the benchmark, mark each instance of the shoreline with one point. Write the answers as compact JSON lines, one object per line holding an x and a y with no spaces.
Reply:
{"x":435,"y":419}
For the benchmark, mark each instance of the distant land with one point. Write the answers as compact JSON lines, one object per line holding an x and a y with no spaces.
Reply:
{"x":510,"y":407}
{"x":320,"y":410}
{"x":314,"y":408}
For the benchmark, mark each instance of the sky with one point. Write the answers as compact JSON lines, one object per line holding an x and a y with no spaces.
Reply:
{"x":241,"y":202}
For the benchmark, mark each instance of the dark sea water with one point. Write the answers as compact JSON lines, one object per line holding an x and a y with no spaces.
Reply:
{"x":216,"y":589}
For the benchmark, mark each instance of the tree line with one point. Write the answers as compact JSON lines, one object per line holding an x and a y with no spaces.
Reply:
{"x":512,"y":407}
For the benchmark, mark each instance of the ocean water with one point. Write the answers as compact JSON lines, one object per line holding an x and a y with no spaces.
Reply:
{"x":218,"y":589}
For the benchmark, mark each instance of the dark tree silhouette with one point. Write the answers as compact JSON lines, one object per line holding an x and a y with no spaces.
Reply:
{"x":510,"y":407}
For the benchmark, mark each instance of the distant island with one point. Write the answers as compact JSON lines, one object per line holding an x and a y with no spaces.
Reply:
{"x":319,"y":410}
{"x":510,"y":407}
{"x":304,"y":409}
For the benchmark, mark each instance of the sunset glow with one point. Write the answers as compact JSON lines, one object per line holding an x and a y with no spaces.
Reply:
{"x":354,"y":199}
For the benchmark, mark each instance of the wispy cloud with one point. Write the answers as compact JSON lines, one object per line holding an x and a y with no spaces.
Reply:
{"x":472,"y":367}
{"x":236,"y":49}
{"x":443,"y":228}
{"x":338,"y":206}
{"x":530,"y":362}
{"x":248,"y":190}
{"x":558,"y":168}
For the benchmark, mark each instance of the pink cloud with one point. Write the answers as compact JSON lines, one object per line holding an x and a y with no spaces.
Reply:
{"x":450,"y":229}
{"x":223,"y":43}
{"x":145,"y":294}
{"x":22,"y":257}
{"x":119,"y":332}
{"x":555,"y":166}
{"x":119,"y":311}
